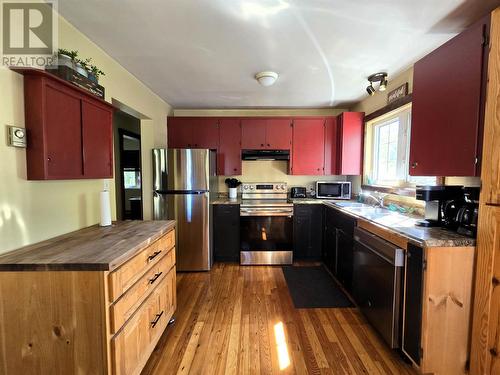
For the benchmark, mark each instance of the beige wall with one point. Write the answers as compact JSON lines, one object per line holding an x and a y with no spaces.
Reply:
{"x":274,"y":171}
{"x":31,"y":211}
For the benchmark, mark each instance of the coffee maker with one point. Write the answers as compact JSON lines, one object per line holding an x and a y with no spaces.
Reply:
{"x":466,"y":217}
{"x":442,"y":205}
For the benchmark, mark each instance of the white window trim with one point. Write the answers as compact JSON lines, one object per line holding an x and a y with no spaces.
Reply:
{"x":370,"y":159}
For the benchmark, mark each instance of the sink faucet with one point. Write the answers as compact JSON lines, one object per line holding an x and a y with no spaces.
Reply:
{"x":379,"y":200}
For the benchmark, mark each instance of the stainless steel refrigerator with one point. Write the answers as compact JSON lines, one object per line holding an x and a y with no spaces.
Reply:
{"x":182,"y":182}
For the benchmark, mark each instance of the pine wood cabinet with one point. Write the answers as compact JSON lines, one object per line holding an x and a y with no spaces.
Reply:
{"x":67,"y":317}
{"x":69,"y":130}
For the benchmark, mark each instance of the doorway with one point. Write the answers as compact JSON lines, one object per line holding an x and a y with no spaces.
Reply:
{"x":128,"y":167}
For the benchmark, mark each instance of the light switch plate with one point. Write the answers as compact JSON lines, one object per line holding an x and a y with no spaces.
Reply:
{"x":17,"y":136}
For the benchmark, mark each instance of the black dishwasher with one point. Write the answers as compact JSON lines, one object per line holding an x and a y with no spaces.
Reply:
{"x":377,"y":283}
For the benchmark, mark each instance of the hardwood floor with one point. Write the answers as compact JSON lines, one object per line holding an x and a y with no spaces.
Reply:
{"x":242,"y":320}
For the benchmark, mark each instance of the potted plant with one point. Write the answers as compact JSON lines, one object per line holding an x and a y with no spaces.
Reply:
{"x":81,"y":67}
{"x":232,"y":184}
{"x":94,"y":73}
{"x":66,"y":57}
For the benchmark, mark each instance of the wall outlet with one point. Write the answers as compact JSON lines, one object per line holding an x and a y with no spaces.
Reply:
{"x":105,"y":185}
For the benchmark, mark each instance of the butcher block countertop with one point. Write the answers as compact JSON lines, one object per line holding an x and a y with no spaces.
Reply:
{"x":90,"y":249}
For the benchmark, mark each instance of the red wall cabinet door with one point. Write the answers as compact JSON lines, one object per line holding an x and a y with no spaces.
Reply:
{"x":331,"y":144}
{"x":446,"y":126}
{"x":205,"y":132}
{"x":97,"y":131}
{"x":229,"y":154}
{"x":279,"y":134}
{"x":253,"y":133}
{"x":179,"y":132}
{"x":308,"y":146}
{"x":63,"y":136}
{"x":70,"y":130}
{"x":350,"y":143}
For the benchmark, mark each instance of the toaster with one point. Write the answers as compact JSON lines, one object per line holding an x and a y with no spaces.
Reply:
{"x":298,"y":192}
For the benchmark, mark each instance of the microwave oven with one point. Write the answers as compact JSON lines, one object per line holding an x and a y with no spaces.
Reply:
{"x":333,"y":190}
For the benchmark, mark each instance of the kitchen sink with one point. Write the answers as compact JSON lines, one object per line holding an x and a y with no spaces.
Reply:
{"x":352,"y":205}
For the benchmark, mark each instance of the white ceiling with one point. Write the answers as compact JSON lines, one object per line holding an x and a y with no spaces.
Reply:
{"x":204,"y":53}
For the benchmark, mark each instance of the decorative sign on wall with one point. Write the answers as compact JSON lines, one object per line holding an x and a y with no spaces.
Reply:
{"x":397,"y":93}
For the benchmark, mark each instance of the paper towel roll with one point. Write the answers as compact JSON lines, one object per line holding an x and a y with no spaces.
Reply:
{"x":105,"y":209}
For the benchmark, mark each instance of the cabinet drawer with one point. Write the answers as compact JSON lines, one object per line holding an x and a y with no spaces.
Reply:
{"x":131,"y":348}
{"x":125,"y":276}
{"x":125,"y":306}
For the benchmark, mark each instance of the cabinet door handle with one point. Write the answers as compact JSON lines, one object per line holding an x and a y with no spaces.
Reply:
{"x":268,"y":145}
{"x":155,"y":277}
{"x":157,"y":318}
{"x":154,"y":255}
{"x":414,"y":164}
{"x":262,"y":145}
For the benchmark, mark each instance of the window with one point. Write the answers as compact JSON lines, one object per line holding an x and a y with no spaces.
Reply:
{"x":131,"y":178}
{"x":387,"y":151}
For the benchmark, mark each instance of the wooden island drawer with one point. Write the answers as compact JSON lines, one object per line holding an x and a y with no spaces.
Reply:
{"x":128,"y":274}
{"x":132,"y":346}
{"x":126,"y":305}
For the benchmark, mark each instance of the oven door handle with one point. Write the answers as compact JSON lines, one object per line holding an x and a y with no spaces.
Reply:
{"x":266,"y":212}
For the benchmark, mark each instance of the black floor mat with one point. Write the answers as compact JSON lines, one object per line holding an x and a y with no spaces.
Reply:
{"x":312,"y":287}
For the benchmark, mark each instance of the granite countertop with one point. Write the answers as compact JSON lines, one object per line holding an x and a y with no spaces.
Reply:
{"x":90,"y":249}
{"x":405,"y":225}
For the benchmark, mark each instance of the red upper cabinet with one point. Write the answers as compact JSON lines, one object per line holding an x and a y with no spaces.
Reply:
{"x":350,"y":143}
{"x":69,"y":130}
{"x":179,"y":132}
{"x":253,"y":133}
{"x":63,"y":136}
{"x":229,"y":155}
{"x":308,"y":146}
{"x":279,"y":134}
{"x":205,"y":132}
{"x":447,"y":109}
{"x":331,"y":144}
{"x":97,"y":132}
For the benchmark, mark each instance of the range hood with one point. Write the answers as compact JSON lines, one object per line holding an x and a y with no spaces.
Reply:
{"x":265,"y":155}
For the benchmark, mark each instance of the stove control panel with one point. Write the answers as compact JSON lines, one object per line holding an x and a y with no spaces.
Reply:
{"x":267,"y":187}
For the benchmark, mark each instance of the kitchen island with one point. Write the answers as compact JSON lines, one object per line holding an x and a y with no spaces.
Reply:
{"x":93,"y":301}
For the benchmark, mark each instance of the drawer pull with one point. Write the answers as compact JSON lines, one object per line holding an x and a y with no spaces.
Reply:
{"x":154,"y":322}
{"x":155,"y":277}
{"x":154,"y":255}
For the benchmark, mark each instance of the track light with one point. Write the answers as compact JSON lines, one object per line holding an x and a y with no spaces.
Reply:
{"x":383,"y":85}
{"x":377,"y":77}
{"x":370,"y":89}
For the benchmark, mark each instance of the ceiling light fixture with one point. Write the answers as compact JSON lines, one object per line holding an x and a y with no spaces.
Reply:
{"x":377,"y":77}
{"x":266,"y":78}
{"x":370,"y":89}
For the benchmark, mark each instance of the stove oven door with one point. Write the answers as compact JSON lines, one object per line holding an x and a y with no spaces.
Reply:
{"x":266,"y":236}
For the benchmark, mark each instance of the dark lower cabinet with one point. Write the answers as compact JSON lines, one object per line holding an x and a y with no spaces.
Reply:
{"x":330,"y":242}
{"x":344,"y":259}
{"x":338,"y":245}
{"x":412,"y":326}
{"x":307,"y":231}
{"x":226,"y":232}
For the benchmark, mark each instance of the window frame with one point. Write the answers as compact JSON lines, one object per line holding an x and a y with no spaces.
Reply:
{"x":370,"y":174}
